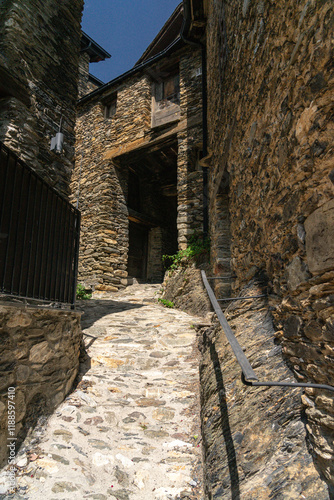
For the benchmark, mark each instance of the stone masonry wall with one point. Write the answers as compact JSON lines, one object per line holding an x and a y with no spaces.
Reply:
{"x":254,"y":438}
{"x":270,"y":88}
{"x":103,"y":186}
{"x":154,"y":265}
{"x":190,"y":212}
{"x":39,"y":47}
{"x":83,"y":74}
{"x":101,"y":168}
{"x":40,"y":359}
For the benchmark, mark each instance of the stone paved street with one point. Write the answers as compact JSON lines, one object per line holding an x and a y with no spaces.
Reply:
{"x":131,"y":428}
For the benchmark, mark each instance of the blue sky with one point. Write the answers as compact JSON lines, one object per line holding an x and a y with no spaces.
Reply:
{"x":124,"y":28}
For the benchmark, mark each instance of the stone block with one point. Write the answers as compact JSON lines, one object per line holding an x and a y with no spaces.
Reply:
{"x":297,"y":273}
{"x":19,"y":319}
{"x":292,"y":327}
{"x":106,"y":288}
{"x":313,"y":330}
{"x":40,"y":353}
{"x":121,"y":273}
{"x":319,"y":227}
{"x":22,"y":373}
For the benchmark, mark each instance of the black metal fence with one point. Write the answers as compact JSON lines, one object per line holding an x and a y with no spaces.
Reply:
{"x":39,"y":235}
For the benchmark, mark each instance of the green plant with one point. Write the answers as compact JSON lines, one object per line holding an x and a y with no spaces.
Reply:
{"x":81,"y":292}
{"x":197,"y":247}
{"x":166,"y":303}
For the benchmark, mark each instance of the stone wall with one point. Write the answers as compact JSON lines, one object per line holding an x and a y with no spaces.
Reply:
{"x":190,"y":180}
{"x":40,"y":359}
{"x":184,"y":287}
{"x":255,"y":439}
{"x":270,"y":88}
{"x":83,"y":74}
{"x":108,"y":146}
{"x":39,"y":46}
{"x":155,"y":249}
{"x":103,"y":186}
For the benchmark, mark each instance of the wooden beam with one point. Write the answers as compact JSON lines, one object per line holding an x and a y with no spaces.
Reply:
{"x":139,"y":218}
{"x":145,"y":142}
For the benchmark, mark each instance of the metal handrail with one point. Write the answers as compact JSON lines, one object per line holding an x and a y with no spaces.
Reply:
{"x":242,"y":298}
{"x":248,"y":375}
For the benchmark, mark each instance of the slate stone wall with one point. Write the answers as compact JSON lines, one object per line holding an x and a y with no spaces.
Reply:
{"x":39,"y":47}
{"x":40,"y":358}
{"x":270,"y":88}
{"x":190,"y":180}
{"x":103,"y":185}
{"x":39,"y":55}
{"x":101,"y":170}
{"x":255,"y":439}
{"x":83,"y":74}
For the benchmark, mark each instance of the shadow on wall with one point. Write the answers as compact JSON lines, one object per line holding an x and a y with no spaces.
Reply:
{"x":219,"y":425}
{"x":225,"y":426}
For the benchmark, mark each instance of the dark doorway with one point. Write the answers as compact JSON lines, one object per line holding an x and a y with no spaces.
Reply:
{"x":138,"y":244}
{"x":151,"y":198}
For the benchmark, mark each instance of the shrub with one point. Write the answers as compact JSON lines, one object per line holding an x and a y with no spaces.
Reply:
{"x":166,"y":303}
{"x":197,"y":247}
{"x":81,"y":292}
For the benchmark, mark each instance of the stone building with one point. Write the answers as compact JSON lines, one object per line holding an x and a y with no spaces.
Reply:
{"x":139,"y":141}
{"x":39,"y":61}
{"x":271,"y":208}
{"x":39,"y":50}
{"x":90,"y":52}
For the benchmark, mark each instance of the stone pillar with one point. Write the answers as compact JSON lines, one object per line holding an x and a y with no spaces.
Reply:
{"x":189,"y":190}
{"x":83,"y":74}
{"x":154,"y":263}
{"x":221,"y":241}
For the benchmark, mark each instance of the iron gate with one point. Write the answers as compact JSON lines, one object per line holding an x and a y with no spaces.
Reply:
{"x":39,"y":235}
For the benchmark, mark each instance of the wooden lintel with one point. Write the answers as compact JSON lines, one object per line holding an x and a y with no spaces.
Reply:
{"x":139,"y":218}
{"x":125,"y":148}
{"x":145,"y":142}
{"x":132,"y":218}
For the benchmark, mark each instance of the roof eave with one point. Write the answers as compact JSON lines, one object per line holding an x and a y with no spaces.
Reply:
{"x":173,"y":46}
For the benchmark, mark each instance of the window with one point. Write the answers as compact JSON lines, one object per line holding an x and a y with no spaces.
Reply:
{"x":166,"y":97}
{"x":110,"y":106}
{"x":168,"y":90}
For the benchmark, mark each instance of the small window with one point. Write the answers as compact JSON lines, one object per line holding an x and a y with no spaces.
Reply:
{"x":110,"y":108}
{"x":166,"y":96}
{"x":168,"y":90}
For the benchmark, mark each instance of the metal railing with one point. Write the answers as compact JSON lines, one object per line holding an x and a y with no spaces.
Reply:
{"x":248,"y":375}
{"x":39,"y":235}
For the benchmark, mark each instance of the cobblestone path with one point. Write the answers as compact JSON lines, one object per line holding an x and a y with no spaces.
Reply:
{"x":131,"y":429}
